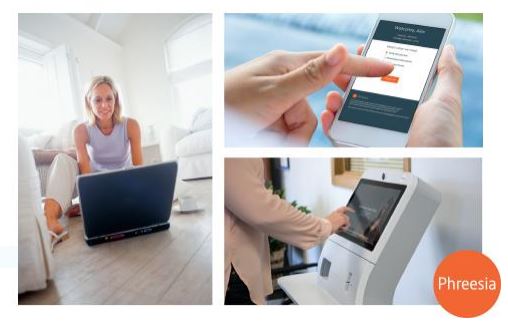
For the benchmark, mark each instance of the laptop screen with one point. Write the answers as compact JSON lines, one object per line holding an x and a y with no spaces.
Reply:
{"x":124,"y":200}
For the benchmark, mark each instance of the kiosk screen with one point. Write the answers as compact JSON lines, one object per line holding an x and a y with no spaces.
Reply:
{"x":373,"y":203}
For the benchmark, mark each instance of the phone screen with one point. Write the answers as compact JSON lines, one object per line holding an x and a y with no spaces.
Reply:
{"x":390,"y":102}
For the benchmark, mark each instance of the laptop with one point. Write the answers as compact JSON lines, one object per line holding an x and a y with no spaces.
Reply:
{"x":127,"y":202}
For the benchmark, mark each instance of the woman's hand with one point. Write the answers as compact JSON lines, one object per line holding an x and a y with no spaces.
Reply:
{"x":270,"y":91}
{"x":339,"y":218}
{"x":437,"y":121}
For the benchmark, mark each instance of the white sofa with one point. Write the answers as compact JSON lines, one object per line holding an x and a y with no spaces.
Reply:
{"x":35,"y":261}
{"x":191,"y":147}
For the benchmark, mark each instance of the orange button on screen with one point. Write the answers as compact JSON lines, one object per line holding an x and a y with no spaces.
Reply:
{"x":390,"y":78}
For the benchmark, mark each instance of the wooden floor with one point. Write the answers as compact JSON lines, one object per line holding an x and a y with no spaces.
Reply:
{"x":169,"y":267}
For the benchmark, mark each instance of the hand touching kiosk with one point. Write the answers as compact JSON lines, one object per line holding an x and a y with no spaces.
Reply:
{"x":363,"y":264}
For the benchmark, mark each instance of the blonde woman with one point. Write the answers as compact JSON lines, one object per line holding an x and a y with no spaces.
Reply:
{"x":107,"y":141}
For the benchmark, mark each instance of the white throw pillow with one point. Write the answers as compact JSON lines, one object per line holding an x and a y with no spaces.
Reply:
{"x":38,"y":141}
{"x":63,"y":139}
{"x":202,"y":120}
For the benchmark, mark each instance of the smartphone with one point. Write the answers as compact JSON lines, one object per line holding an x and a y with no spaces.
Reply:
{"x":379,"y":111}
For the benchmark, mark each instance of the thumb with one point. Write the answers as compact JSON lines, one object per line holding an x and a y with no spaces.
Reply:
{"x":449,"y":77}
{"x":313,"y":75}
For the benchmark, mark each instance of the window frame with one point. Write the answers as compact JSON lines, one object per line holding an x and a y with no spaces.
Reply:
{"x":341,"y":174}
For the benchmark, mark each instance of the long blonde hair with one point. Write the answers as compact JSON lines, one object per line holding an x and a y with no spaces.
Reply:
{"x":96,"y":81}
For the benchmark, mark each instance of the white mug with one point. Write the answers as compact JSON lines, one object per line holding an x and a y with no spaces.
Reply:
{"x":187,"y":203}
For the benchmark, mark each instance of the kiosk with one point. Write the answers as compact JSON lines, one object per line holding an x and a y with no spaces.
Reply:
{"x":363,"y":264}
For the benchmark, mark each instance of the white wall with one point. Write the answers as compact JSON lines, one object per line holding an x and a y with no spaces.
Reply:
{"x":308,"y":181}
{"x":150,"y":90}
{"x":95,"y":54}
{"x":456,"y":225}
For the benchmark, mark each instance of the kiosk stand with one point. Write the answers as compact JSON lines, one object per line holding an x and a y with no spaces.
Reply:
{"x":363,"y":264}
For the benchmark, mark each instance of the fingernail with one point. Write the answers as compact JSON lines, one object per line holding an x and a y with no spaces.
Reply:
{"x":389,"y":64}
{"x":334,"y":55}
{"x":452,"y":49}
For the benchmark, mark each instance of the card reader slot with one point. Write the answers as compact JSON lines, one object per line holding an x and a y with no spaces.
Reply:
{"x":324,"y":271}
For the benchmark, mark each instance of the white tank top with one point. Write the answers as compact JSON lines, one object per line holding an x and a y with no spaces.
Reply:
{"x":109,"y":152}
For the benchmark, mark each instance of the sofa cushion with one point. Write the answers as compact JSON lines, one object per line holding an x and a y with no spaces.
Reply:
{"x":197,"y":166}
{"x":197,"y":143}
{"x":45,"y":157}
{"x":202,"y":120}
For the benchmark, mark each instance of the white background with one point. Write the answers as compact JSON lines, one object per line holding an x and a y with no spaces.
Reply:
{"x":412,"y":76}
{"x":495,"y":180}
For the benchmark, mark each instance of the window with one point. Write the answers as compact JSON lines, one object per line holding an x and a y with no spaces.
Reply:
{"x":346,"y":172}
{"x":189,"y":48}
{"x":188,"y":55}
{"x":47,"y":94}
{"x":34,"y":105}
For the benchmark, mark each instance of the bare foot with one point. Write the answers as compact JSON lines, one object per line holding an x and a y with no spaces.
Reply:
{"x":54,"y":225}
{"x":52,"y":211}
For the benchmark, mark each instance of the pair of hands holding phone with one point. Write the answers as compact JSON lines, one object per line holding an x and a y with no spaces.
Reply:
{"x":271,"y":91}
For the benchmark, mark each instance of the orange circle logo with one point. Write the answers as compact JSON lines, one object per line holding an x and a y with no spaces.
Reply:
{"x":467,"y":283}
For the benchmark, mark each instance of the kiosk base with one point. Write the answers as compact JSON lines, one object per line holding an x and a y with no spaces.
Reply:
{"x":303,"y":289}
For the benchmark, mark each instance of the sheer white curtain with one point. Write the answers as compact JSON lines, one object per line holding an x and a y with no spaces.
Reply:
{"x":47,"y":86}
